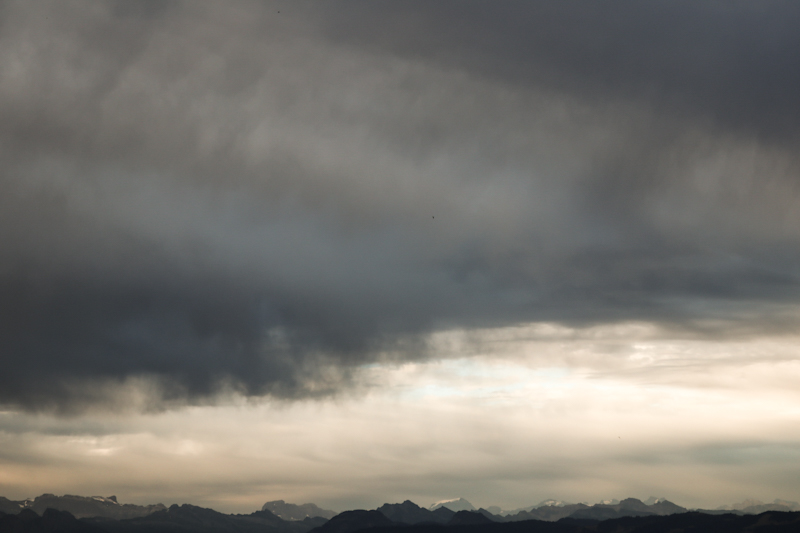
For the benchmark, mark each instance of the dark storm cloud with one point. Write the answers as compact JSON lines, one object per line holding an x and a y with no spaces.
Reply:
{"x":733,"y":62}
{"x":209,"y":197}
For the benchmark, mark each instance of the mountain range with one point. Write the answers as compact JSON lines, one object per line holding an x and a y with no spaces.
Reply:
{"x":80,"y":506}
{"x":291,"y":511}
{"x":757,"y":506}
{"x":552,"y":510}
{"x":96,"y":514}
{"x":411,"y":513}
{"x":192,"y":519}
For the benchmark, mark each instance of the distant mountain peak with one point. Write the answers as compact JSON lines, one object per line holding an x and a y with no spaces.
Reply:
{"x":350,"y":521}
{"x":747,"y":503}
{"x":110,"y":499}
{"x":409,"y":512}
{"x":794,"y":506}
{"x":551,"y":503}
{"x":294,"y":512}
{"x":753,"y":506}
{"x":455,"y":504}
{"x":440,"y":503}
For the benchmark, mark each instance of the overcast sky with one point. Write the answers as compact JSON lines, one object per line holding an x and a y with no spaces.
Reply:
{"x":362,"y":251}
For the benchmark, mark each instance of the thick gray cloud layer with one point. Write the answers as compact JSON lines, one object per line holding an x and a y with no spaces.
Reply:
{"x":265,"y":195}
{"x":729,"y":61}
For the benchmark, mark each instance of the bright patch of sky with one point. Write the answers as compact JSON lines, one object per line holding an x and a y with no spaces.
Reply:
{"x":531,"y":413}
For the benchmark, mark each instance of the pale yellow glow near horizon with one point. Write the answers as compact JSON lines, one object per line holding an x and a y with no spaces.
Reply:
{"x":521,"y":415}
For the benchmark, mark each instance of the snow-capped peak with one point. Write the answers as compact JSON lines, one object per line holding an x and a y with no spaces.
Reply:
{"x":456,"y":504}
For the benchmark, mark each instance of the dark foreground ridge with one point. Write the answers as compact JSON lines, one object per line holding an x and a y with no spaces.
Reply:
{"x":189,"y":518}
{"x":192,"y":519}
{"x":693,"y":522}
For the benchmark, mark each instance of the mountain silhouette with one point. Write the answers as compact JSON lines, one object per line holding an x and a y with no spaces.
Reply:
{"x":601,"y":511}
{"x":350,"y":521}
{"x":627,"y":507}
{"x":50,"y":521}
{"x":627,"y":516}
{"x":9,"y":507}
{"x":192,"y":519}
{"x":410,"y":513}
{"x":469,"y":518}
{"x":456,"y":504}
{"x":549,"y":513}
{"x":81,"y":506}
{"x":291,"y":511}
{"x":692,"y":522}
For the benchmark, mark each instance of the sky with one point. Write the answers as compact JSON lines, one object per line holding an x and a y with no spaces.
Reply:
{"x":359,"y":252}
